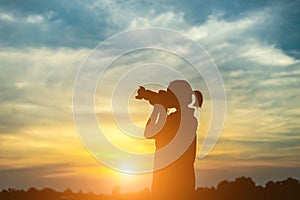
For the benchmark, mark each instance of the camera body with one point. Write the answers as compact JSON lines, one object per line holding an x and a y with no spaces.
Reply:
{"x":161,"y":97}
{"x":166,"y":98}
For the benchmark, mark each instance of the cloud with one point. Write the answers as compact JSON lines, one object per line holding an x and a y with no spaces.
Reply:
{"x":58,"y":176}
{"x":167,"y":19}
{"x":30,"y":19}
{"x":84,"y":24}
{"x":36,"y":86}
{"x":267,"y":55}
{"x":54,"y":24}
{"x":226,"y":39}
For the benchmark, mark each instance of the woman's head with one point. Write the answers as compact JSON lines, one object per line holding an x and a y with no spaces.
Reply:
{"x":183,"y":92}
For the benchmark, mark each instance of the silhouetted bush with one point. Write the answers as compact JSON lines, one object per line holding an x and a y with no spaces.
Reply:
{"x":241,"y":188}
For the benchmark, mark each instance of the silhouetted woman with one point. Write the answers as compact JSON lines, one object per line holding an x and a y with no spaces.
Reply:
{"x":176,"y":180}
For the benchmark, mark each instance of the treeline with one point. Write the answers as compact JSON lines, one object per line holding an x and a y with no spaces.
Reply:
{"x":240,"y":189}
{"x":245,"y":189}
{"x":50,"y":194}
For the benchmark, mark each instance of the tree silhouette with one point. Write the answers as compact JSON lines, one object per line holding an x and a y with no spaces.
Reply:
{"x":241,"y":188}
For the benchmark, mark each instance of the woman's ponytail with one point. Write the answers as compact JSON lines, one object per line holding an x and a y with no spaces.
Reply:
{"x":199,"y":98}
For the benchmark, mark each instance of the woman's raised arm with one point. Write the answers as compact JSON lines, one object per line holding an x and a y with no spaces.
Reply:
{"x":156,"y":121}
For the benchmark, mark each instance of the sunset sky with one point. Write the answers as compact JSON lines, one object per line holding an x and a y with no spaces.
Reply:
{"x":254,"y":44}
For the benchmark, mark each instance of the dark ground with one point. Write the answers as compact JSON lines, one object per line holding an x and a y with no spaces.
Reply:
{"x":241,"y":188}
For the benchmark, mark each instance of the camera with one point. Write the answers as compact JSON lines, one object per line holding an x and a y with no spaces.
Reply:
{"x":165,"y":98}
